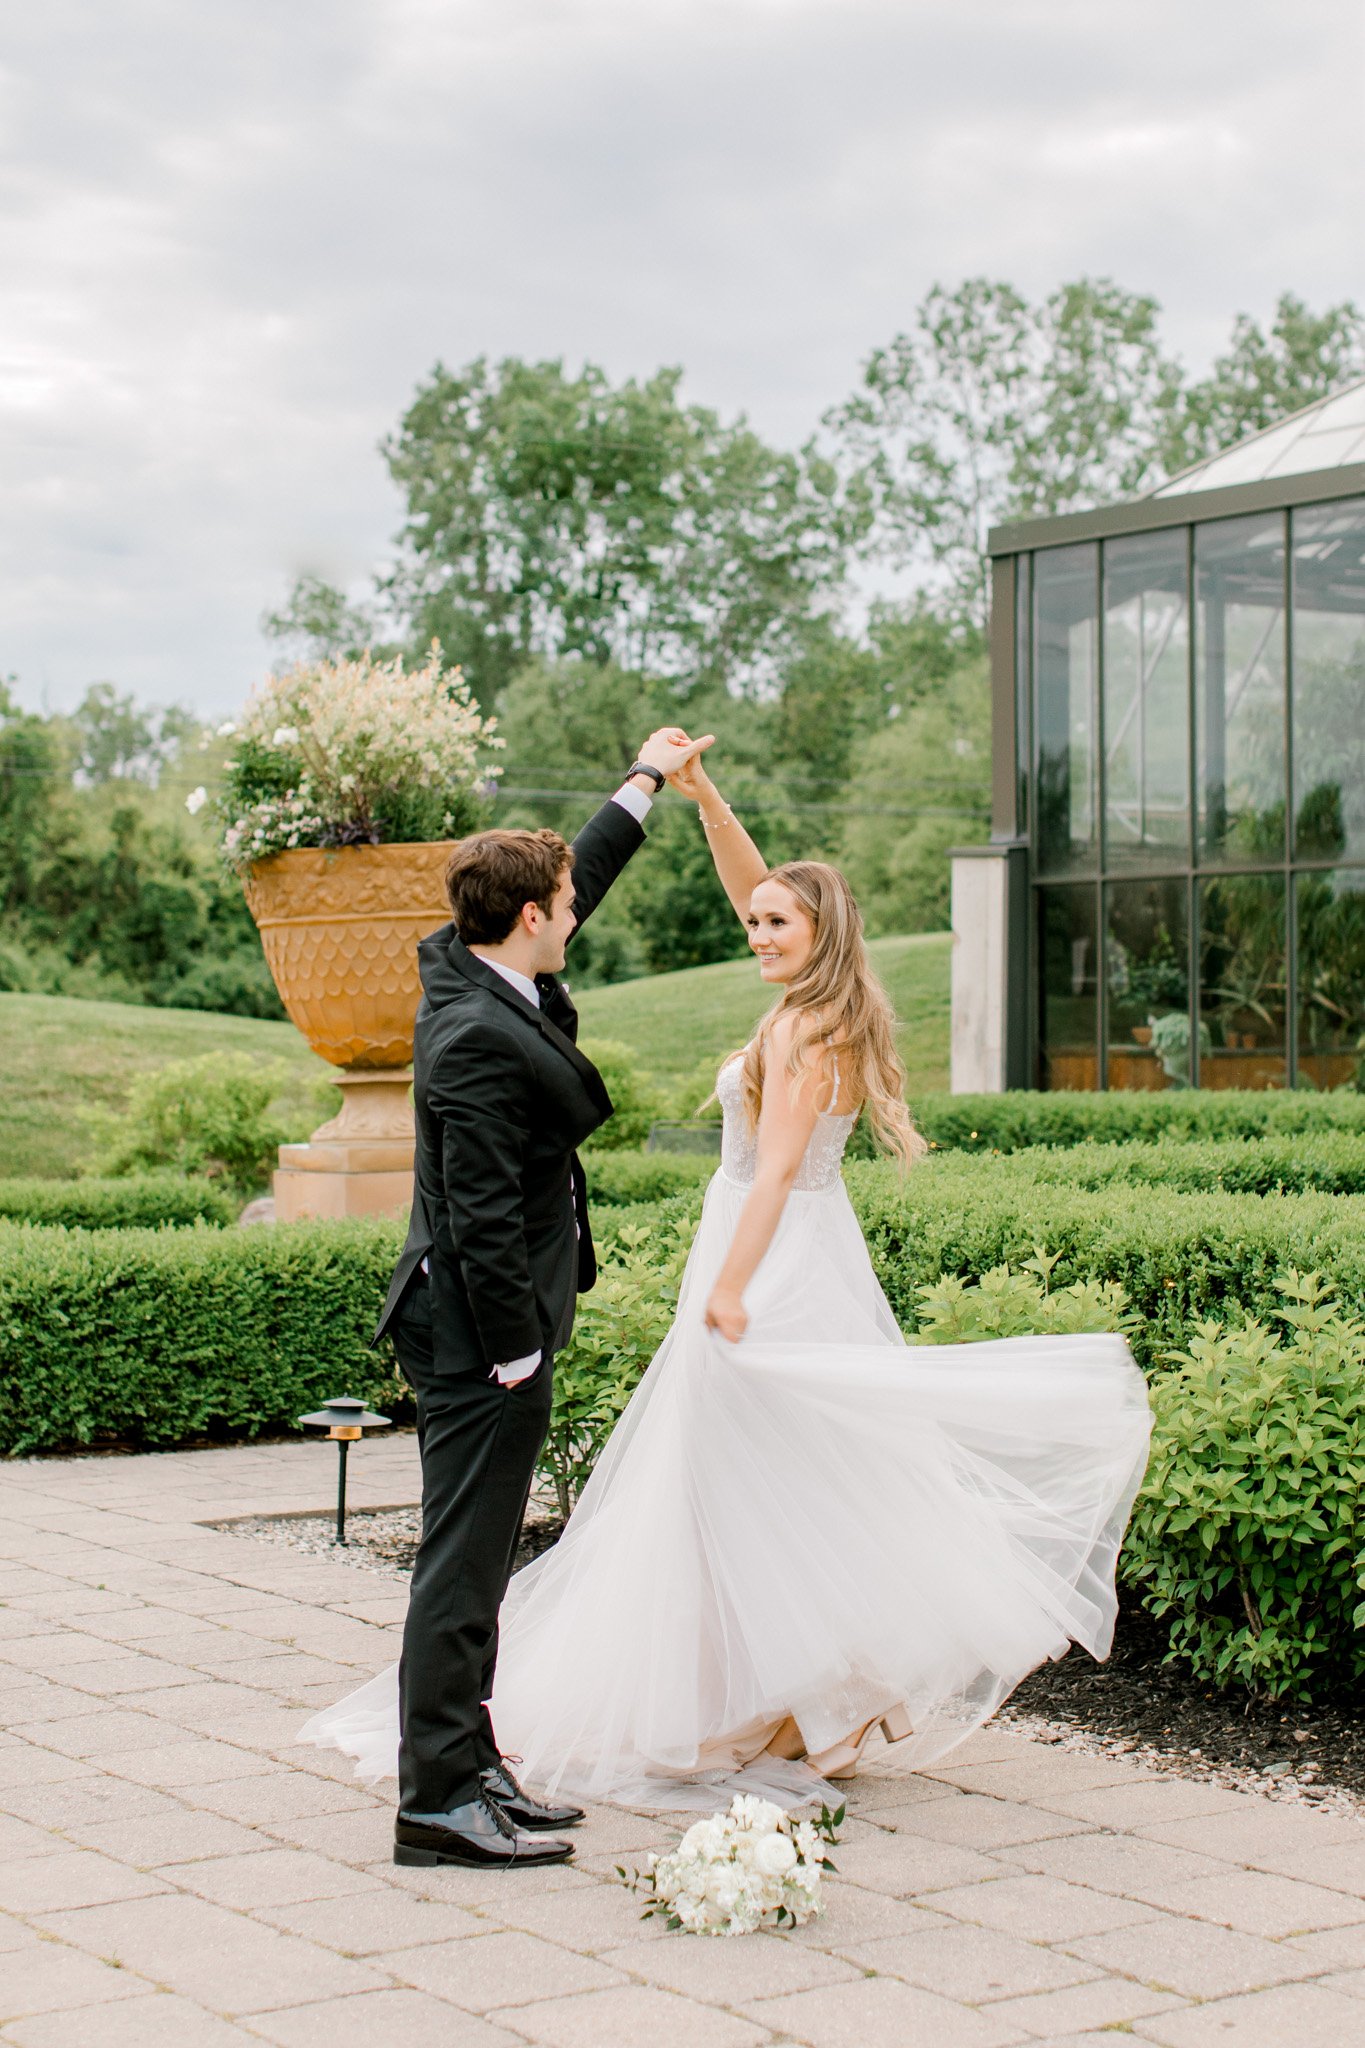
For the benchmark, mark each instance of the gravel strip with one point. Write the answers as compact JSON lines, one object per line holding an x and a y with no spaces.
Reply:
{"x":382,"y":1540}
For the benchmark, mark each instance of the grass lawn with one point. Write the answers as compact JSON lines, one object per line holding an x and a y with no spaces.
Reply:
{"x":60,"y":1053}
{"x":674,"y":1021}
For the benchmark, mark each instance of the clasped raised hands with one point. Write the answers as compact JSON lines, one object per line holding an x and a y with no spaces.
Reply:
{"x":671,"y":751}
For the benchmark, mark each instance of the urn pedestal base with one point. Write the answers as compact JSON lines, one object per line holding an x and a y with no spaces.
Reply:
{"x":359,"y":1163}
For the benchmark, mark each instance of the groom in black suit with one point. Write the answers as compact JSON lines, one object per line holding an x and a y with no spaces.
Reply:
{"x":483,"y":1294}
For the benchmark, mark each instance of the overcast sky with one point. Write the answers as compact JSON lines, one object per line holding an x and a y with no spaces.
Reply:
{"x":233,"y":238}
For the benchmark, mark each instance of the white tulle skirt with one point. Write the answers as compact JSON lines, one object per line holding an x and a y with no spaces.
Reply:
{"x":817,"y":1523}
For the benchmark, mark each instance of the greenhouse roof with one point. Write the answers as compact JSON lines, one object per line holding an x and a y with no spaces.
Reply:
{"x":1328,"y":434}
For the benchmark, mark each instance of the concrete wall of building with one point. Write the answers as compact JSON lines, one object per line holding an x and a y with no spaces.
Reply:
{"x":980,"y":960}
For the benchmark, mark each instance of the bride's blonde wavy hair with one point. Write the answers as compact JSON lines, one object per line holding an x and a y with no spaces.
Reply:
{"x":836,"y":996}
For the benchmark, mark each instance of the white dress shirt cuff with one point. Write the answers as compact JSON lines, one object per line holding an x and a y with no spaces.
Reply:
{"x":634,"y":800}
{"x":516,"y":1369}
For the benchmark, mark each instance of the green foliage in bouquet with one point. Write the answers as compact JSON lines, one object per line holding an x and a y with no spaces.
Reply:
{"x":1249,"y":1533}
{"x":619,"y":1326}
{"x":354,"y":753}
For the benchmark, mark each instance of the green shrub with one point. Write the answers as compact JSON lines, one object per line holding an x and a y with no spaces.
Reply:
{"x":1008,"y":1122}
{"x":1249,"y":1534}
{"x":1003,"y":1303}
{"x":618,"y":1178}
{"x":161,"y":1336}
{"x":237,"y":983}
{"x":635,"y":1100}
{"x":149,"y":1201}
{"x":1329,"y":1162}
{"x":619,"y":1326}
{"x":1179,"y":1258}
{"x":219,"y":1115}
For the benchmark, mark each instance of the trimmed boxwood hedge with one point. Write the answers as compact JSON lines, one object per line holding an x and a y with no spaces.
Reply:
{"x":1178,"y":1257}
{"x":616,"y":1178}
{"x":161,"y":1336}
{"x":142,"y":1200}
{"x":1008,"y":1122}
{"x":1328,"y":1162}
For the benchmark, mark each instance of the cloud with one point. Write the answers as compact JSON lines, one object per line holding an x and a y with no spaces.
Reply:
{"x":234,"y":239}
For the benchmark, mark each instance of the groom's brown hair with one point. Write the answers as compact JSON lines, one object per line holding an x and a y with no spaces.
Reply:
{"x":491,"y":875}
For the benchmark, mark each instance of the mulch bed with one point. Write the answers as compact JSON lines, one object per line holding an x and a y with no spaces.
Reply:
{"x":1134,"y":1705}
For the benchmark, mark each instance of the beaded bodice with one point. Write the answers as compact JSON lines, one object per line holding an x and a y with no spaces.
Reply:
{"x":739,"y":1142}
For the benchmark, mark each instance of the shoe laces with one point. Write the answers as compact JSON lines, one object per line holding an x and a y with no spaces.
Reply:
{"x":500,"y":1820}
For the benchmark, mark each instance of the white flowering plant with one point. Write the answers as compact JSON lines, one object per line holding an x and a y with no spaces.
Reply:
{"x":355,"y":753}
{"x":736,"y":1872}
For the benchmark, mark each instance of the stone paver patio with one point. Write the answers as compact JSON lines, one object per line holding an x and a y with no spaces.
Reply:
{"x":173,"y":1870}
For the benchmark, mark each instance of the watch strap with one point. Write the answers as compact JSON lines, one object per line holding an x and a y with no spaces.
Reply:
{"x":644,"y":768}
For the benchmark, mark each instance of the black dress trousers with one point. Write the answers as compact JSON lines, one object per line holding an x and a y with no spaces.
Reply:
{"x":479,"y":1444}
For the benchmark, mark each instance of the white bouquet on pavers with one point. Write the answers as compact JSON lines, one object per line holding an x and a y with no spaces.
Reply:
{"x":738,"y":1871}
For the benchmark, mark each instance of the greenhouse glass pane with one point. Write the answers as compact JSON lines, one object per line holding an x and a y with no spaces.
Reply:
{"x":1068,"y":988}
{"x":1331,"y":977}
{"x":1147,"y":971}
{"x":1242,"y":982}
{"x":1064,"y":650}
{"x":1146,"y":700}
{"x":1239,"y":688}
{"x":1328,"y":640}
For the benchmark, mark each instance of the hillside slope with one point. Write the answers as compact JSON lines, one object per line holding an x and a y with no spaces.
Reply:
{"x":59,"y":1053}
{"x":675,"y":1020}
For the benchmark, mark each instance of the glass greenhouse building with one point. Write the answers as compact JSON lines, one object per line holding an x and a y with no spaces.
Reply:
{"x":1179,"y":780}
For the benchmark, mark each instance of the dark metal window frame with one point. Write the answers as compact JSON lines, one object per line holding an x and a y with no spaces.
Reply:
{"x":1012,"y":548}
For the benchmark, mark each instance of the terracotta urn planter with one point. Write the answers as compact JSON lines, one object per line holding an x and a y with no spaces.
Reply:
{"x":340,"y":929}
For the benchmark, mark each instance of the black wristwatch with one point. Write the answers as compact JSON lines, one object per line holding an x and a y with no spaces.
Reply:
{"x":643,"y":768}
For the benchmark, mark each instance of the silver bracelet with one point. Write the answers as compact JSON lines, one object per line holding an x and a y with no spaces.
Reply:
{"x":706,"y":826}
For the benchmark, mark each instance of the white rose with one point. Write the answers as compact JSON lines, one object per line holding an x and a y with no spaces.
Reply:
{"x":196,"y":799}
{"x":697,"y":1840}
{"x":759,"y":1814}
{"x":285,"y":736}
{"x":227,"y":729}
{"x":775,"y":1855}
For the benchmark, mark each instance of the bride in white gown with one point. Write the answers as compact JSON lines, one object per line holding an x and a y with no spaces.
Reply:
{"x":803,"y":1527}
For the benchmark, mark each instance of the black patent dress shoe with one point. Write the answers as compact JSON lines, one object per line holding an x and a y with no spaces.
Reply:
{"x":478,"y":1835}
{"x":521,"y":1809}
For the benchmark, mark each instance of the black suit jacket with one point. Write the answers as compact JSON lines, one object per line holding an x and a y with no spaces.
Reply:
{"x":502,"y":1099}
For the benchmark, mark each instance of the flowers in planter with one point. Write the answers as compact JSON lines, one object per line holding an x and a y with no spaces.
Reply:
{"x":738,"y":1871}
{"x":355,"y":753}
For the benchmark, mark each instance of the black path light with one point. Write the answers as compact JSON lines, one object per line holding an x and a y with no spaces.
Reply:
{"x":345,"y":1420}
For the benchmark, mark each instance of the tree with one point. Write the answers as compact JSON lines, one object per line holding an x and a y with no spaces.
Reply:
{"x":318,"y":622}
{"x":1263,"y":377}
{"x":118,"y":740}
{"x":988,"y":408}
{"x":570,"y":727}
{"x":34,"y":815}
{"x":920,"y":786}
{"x":560,"y":516}
{"x":991,"y":408}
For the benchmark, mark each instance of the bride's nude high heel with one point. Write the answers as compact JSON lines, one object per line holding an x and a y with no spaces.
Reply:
{"x":842,"y":1760}
{"x":787,"y":1744}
